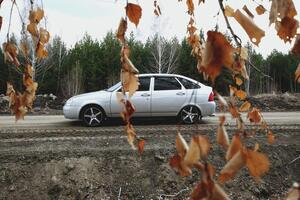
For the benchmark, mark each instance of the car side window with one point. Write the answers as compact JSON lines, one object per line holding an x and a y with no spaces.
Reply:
{"x":188,"y":84}
{"x":166,"y":83}
{"x":144,"y":84}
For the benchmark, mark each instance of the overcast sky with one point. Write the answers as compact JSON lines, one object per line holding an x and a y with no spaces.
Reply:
{"x":70,"y":19}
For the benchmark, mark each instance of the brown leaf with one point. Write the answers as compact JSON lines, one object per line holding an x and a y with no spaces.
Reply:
{"x":245,"y":107}
{"x":181,"y":145}
{"x":218,"y":53}
{"x":257,"y":163}
{"x":249,"y":13}
{"x":296,"y":47}
{"x":193,"y":154}
{"x":191,"y":7}
{"x":260,"y":10}
{"x":254,"y":116}
{"x":35,"y":16}
{"x":234,"y":110}
{"x":131,"y":135}
{"x":241,"y":94}
{"x":297,"y":74}
{"x":177,"y":163}
{"x":141,"y":145}
{"x":134,"y":13}
{"x":33,"y":30}
{"x":129,"y":82}
{"x":15,"y":103}
{"x":235,"y":146}
{"x":222,"y":136}
{"x":294,"y":192}
{"x":24,"y":47}
{"x":281,"y":9}
{"x":229,"y":12}
{"x":222,"y":102}
{"x":232,"y":167}
{"x":287,"y":28}
{"x":238,"y":81}
{"x":254,"y":32}
{"x":271,"y":137}
{"x":122,"y":30}
{"x":10,"y":53}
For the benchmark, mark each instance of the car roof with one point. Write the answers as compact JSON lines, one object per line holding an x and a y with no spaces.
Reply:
{"x":164,"y":75}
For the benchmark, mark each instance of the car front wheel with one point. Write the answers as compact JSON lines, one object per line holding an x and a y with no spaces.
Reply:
{"x":92,"y":116}
{"x":190,"y":114}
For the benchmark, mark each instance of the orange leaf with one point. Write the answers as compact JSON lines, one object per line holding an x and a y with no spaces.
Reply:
{"x":177,"y":163}
{"x":296,"y":47}
{"x":257,"y":163}
{"x":238,"y":81}
{"x":193,"y":154}
{"x":36,"y":16}
{"x":222,"y":136}
{"x":249,"y":13}
{"x":232,"y":167}
{"x":121,"y":30}
{"x":235,"y":146}
{"x":294,"y":192}
{"x":181,"y":145}
{"x":131,"y":135}
{"x":141,"y":145}
{"x":10,"y":53}
{"x":260,"y":10}
{"x":222,"y":102}
{"x":190,"y":5}
{"x":245,"y":107}
{"x":281,"y":9}
{"x":287,"y":28}
{"x":134,"y":13}
{"x":218,"y":52}
{"x":297,"y":74}
{"x":241,"y":94}
{"x":254,"y":116}
{"x":271,"y":137}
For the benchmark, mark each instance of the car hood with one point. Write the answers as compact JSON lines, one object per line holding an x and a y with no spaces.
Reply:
{"x":91,"y":94}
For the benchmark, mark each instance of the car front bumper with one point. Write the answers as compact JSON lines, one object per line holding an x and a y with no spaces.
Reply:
{"x":70,"y":112}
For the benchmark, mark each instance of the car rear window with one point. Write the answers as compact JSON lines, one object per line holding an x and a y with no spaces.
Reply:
{"x":166,"y":83}
{"x":188,"y":84}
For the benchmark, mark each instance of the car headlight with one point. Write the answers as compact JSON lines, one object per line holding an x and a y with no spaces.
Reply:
{"x":69,"y":102}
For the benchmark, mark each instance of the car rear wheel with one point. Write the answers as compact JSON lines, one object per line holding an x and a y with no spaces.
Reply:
{"x":190,"y":114}
{"x":92,"y":115}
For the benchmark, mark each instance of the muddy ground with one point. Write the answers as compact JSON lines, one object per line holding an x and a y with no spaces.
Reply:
{"x":99,"y":164}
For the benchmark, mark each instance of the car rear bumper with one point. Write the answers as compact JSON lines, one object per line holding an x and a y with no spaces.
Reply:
{"x":208,"y":108}
{"x":70,"y":112}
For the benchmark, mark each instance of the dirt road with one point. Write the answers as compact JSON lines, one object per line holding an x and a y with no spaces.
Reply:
{"x":48,"y":157}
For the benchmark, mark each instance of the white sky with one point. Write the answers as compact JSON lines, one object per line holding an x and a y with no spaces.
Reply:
{"x":70,"y":19}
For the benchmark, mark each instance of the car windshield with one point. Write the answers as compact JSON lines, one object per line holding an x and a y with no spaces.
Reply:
{"x":114,"y":87}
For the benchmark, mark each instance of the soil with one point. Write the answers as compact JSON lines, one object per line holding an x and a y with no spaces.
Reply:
{"x":97,"y":163}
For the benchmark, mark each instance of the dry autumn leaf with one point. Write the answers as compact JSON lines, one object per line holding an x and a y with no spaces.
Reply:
{"x":35,"y":16}
{"x":294,"y":192}
{"x":122,"y":30}
{"x":131,"y":135}
{"x":10,"y":53}
{"x":260,"y":10}
{"x":141,"y":145}
{"x":134,"y":13}
{"x":297,"y":74}
{"x":222,"y":136}
{"x":254,"y":116}
{"x":296,"y":47}
{"x":235,"y":146}
{"x":257,"y":163}
{"x":242,"y":95}
{"x":218,"y":52}
{"x":249,"y":13}
{"x":271,"y":137}
{"x":245,"y":107}
{"x":238,"y":81}
{"x":281,"y":9}
{"x":15,"y":103}
{"x":287,"y":28}
{"x":191,"y":7}
{"x":237,"y":162}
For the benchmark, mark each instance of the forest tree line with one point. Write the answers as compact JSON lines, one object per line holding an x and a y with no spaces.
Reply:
{"x":92,"y":65}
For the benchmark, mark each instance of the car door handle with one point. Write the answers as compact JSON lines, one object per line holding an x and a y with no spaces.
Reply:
{"x":180,"y":93}
{"x":145,"y":95}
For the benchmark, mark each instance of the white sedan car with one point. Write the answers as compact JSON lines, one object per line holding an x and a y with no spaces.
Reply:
{"x":158,"y":95}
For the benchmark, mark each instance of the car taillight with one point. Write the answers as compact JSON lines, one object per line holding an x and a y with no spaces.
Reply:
{"x":211,"y":97}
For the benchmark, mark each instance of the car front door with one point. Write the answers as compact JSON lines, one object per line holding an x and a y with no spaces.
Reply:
{"x":141,"y":99}
{"x":168,"y":96}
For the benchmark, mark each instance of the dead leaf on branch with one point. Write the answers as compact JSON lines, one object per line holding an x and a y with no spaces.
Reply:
{"x":297,"y":74}
{"x":245,"y":107}
{"x":271,"y":137}
{"x":157,"y":10}
{"x":134,"y":13}
{"x":287,"y":28}
{"x":282,"y":9}
{"x":191,"y":7}
{"x":235,"y":146}
{"x":122,"y":30}
{"x":260,"y":10}
{"x":15,"y":103}
{"x":10,"y":53}
{"x":254,"y":116}
{"x":249,"y":13}
{"x":35,"y":16}
{"x":222,"y":136}
{"x":218,"y":52}
{"x":296,"y":47}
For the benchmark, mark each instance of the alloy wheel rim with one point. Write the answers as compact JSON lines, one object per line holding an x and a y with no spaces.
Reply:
{"x":92,"y":116}
{"x":189,"y":114}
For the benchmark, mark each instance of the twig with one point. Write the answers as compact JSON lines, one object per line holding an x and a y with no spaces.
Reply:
{"x":173,"y":195}
{"x":258,"y":70}
{"x":10,"y":16}
{"x":294,"y":160}
{"x":120,"y":191}
{"x":237,"y":40}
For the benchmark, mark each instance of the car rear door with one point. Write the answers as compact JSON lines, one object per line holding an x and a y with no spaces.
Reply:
{"x":141,"y":99}
{"x":168,"y":96}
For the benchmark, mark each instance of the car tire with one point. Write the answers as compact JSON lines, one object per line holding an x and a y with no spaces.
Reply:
{"x":190,"y":114}
{"x":92,"y":115}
